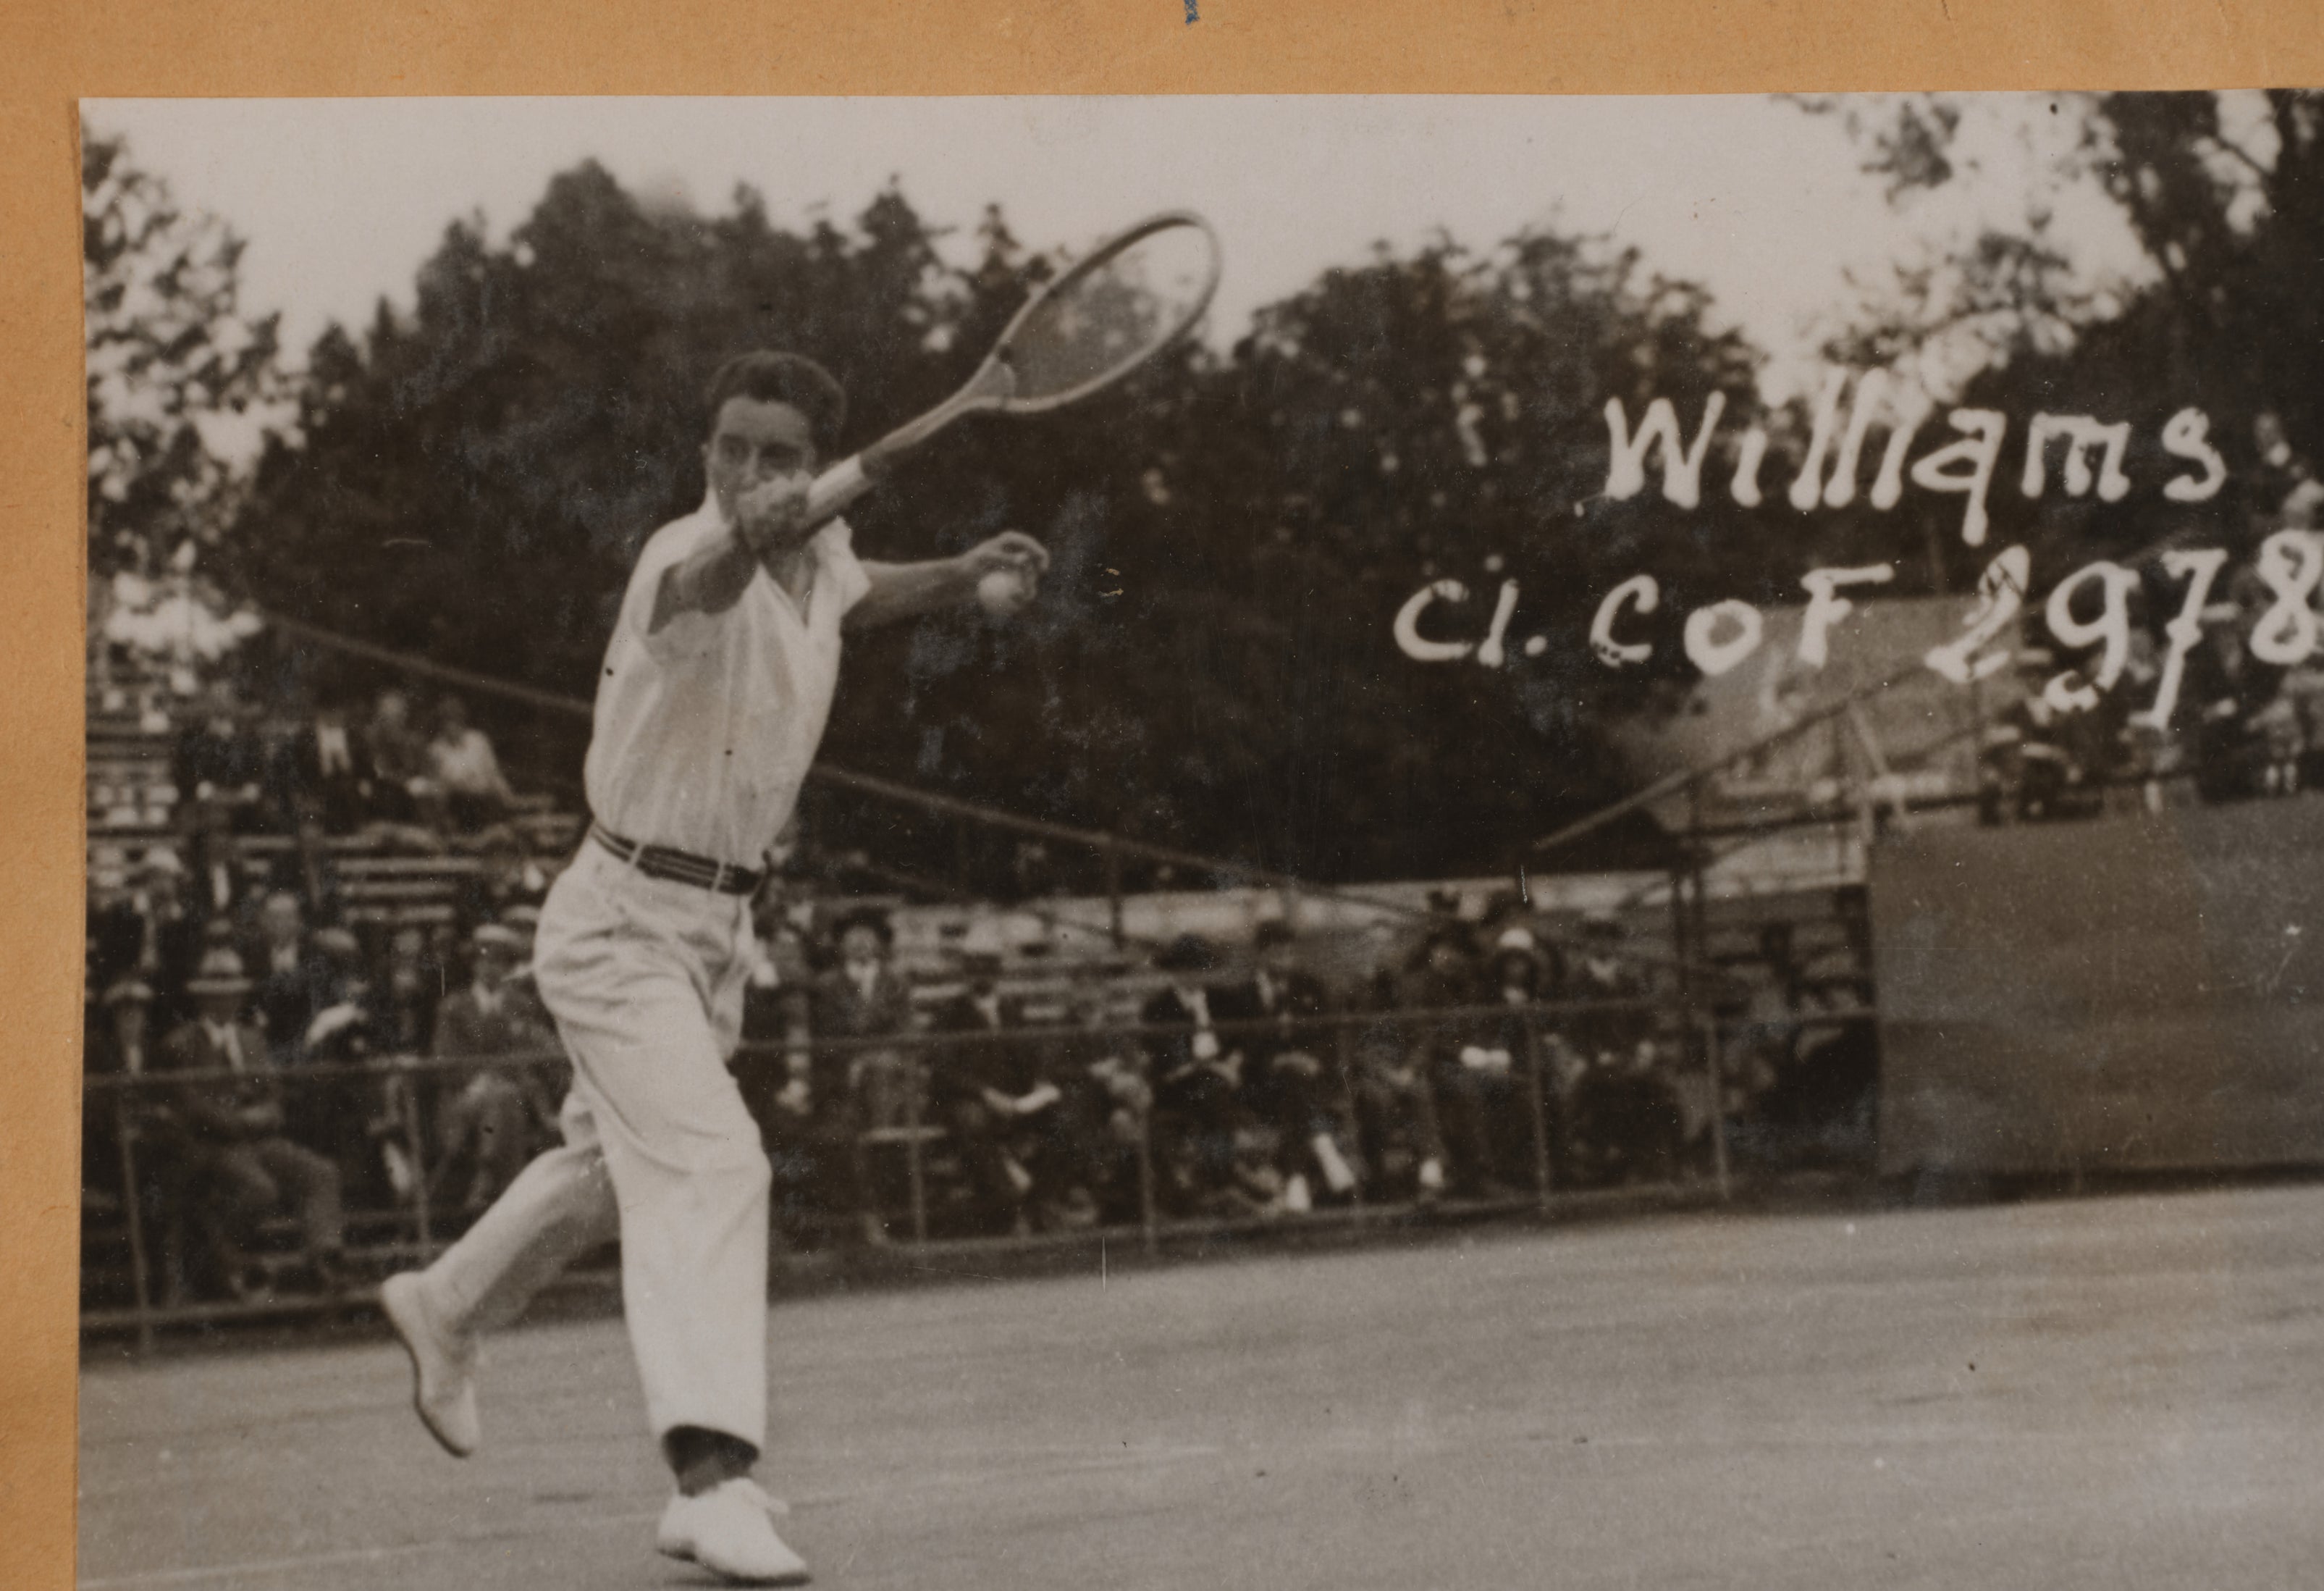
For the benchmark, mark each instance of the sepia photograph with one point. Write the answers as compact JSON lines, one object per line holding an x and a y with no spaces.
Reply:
{"x":1396,"y":841}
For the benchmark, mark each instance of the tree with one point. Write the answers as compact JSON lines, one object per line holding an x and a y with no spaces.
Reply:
{"x":174,"y":366}
{"x":2223,"y":195}
{"x":1233,"y":532}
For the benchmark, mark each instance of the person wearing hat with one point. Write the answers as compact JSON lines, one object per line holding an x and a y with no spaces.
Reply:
{"x":228,"y":1114}
{"x":495,"y":1116}
{"x":857,"y":1088}
{"x":717,"y":685}
{"x":294,"y":979}
{"x":116,"y":1043}
{"x":994,"y":1095}
{"x":1471,"y":1071}
{"x":1295,"y":1084}
{"x":217,"y":764}
{"x":1198,"y":1075}
{"x":1610,"y":1100}
{"x":1397,"y":1138}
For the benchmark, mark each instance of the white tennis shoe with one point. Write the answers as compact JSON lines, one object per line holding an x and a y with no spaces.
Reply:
{"x":730,"y":1530}
{"x":443,"y":1364}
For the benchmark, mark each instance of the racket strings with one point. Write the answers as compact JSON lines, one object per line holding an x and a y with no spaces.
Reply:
{"x":1101,"y":320}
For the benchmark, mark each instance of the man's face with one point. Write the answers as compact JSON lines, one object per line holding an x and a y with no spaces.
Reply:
{"x":493,"y":964}
{"x":279,"y":918}
{"x":129,"y":1022}
{"x":860,"y":946}
{"x":755,"y":440}
{"x":220,"y":1010}
{"x":1279,"y":959}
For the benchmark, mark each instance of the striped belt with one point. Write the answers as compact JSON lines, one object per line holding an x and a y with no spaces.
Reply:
{"x":680,"y":866}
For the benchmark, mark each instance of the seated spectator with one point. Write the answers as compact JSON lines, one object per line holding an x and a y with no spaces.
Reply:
{"x":1107,"y":1112}
{"x":812,"y":1152}
{"x":294,"y":978}
{"x":2225,"y":691}
{"x":464,"y":768}
{"x":1198,"y":1082}
{"x":219,"y":764}
{"x":867,"y":1087}
{"x":1397,"y":1137}
{"x":1629,"y":1119}
{"x":506,"y":878}
{"x":117,"y":931}
{"x":172,"y":946}
{"x":218,"y":887}
{"x":1521,"y":974}
{"x":997,"y":1102}
{"x":2048,"y":776}
{"x":1622,"y":1120}
{"x":411,"y":985}
{"x":116,"y":1045}
{"x":239,"y":1160}
{"x":1472,"y":1072}
{"x":1604,"y":974}
{"x":325,"y":768}
{"x":402,"y":791}
{"x":136,"y":1116}
{"x":1761,"y":1042}
{"x":1295,"y":1087}
{"x":495,"y":1117}
{"x":2282,"y":741}
{"x":357,"y":1118}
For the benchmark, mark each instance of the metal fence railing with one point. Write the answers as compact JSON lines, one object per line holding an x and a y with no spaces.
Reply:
{"x":1390,"y":1088}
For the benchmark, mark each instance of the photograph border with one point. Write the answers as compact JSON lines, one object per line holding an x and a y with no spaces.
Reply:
{"x":59,"y":51}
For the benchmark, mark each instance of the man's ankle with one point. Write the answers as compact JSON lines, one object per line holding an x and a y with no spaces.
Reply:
{"x":702,"y":1458}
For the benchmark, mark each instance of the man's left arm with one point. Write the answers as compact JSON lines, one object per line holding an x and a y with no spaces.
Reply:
{"x":906,"y":590}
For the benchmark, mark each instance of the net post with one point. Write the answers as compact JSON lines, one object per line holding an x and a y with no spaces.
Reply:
{"x":1706,"y":1018}
{"x":1114,"y":901}
{"x":1537,"y":1105}
{"x":1718,"y":1175}
{"x":415,"y":1142}
{"x":1685,"y":919}
{"x":1344,"y":1057}
{"x":140,"y":1282}
{"x":1148,"y":1223}
{"x":915,"y":1172}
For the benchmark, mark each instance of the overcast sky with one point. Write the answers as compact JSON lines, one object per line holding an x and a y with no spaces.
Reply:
{"x":1762,"y":203}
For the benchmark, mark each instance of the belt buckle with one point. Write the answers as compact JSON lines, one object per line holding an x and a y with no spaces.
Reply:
{"x":718,"y":879}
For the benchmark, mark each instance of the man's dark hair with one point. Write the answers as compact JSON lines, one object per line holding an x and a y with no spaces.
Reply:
{"x":771,"y":377}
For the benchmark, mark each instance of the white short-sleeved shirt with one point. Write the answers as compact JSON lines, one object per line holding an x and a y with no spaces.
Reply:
{"x":705,"y":729}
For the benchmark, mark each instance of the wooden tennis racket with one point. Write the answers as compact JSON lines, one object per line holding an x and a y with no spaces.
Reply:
{"x":1112,"y":310}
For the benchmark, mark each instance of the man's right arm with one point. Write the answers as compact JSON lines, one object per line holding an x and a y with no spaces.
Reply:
{"x":710,"y":580}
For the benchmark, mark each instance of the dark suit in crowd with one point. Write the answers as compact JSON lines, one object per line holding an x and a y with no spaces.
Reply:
{"x":229,"y":1139}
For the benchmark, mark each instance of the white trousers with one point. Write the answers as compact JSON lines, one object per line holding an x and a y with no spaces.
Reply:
{"x":645,"y":978}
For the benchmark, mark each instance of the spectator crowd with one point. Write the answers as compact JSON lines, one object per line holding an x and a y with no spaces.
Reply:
{"x":2242,"y":729}
{"x":302,"y":1068}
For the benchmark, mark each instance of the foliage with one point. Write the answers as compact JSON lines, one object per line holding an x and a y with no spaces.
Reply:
{"x":1211,"y":663}
{"x":173,"y":365}
{"x":2224,"y":195}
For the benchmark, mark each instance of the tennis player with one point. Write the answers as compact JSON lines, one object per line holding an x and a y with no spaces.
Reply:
{"x":713,"y":695}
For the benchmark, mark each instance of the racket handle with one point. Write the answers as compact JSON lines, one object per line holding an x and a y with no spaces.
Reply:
{"x":850,"y":478}
{"x":836,"y":487}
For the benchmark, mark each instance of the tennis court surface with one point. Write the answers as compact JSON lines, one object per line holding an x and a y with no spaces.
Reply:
{"x":2121,"y":1393}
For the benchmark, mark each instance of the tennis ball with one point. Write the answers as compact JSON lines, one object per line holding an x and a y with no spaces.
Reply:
{"x":1004,"y":592}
